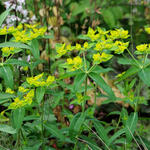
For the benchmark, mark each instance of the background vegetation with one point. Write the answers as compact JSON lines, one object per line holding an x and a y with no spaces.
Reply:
{"x":50,"y":98}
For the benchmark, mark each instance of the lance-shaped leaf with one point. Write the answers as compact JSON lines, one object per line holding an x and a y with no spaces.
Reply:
{"x":7,"y":74}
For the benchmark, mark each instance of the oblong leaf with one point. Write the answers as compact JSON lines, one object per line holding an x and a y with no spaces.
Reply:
{"x":17,"y":62}
{"x":79,"y":79}
{"x":7,"y":129}
{"x":15,"y":44}
{"x":7,"y":74}
{"x":99,"y":81}
{"x":54,"y":131}
{"x":40,"y":91}
{"x":3,"y":16}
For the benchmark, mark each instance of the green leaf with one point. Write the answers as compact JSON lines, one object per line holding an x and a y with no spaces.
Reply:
{"x":117,"y":12}
{"x":80,"y":7}
{"x":31,"y":117}
{"x":126,"y":61}
{"x":79,"y":122}
{"x":7,"y":74}
{"x":114,"y":113}
{"x":18,"y":117}
{"x":70,"y":74}
{"x":99,"y":81}
{"x":3,"y":16}
{"x":73,"y":121}
{"x":35,"y":48}
{"x":83,"y":37}
{"x":131,"y":125}
{"x":131,"y":71}
{"x":115,"y":136}
{"x":40,"y":91}
{"x":98,"y":69}
{"x":6,"y":96}
{"x":108,"y":17}
{"x":79,"y":79}
{"x":17,"y":62}
{"x":101,"y":131}
{"x":91,"y":143}
{"x":15,"y":44}
{"x":55,"y":131}
{"x":144,"y":75}
{"x":7,"y":129}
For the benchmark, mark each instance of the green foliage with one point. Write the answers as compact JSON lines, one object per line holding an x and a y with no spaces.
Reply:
{"x":58,"y":84}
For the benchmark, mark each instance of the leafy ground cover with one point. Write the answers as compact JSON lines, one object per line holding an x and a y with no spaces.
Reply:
{"x":74,"y":75}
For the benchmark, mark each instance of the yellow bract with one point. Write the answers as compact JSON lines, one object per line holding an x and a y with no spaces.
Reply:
{"x":142,"y":47}
{"x":118,"y":34}
{"x":74,"y":64}
{"x":26,"y":35}
{"x":3,"y":31}
{"x":18,"y":103}
{"x":103,"y":45}
{"x":39,"y":81}
{"x":120,"y":46}
{"x":22,"y":89}
{"x":7,"y":51}
{"x":78,"y":46}
{"x":61,"y":50}
{"x":147,"y":29}
{"x":101,"y":58}
{"x":10,"y":91}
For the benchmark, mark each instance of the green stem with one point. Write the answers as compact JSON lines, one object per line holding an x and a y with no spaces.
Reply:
{"x":85,"y":93}
{"x":42,"y":125}
{"x":91,"y":68}
{"x":85,"y":66}
{"x":18,"y":142}
{"x":134,"y":58}
{"x":145,"y":58}
{"x":95,"y":96}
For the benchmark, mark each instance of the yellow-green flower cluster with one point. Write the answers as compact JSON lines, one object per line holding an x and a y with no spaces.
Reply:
{"x":6,"y":51}
{"x":24,"y":35}
{"x":101,"y":58}
{"x":118,"y":34}
{"x":3,"y":31}
{"x":74,"y":64}
{"x":147,"y":29}
{"x":62,"y":49}
{"x":22,"y":89}
{"x":121,"y":46}
{"x":79,"y":99}
{"x":106,"y":44}
{"x":96,"y":34}
{"x":38,"y":80}
{"x":10,"y":91}
{"x":143,"y":48}
{"x":26,"y":100}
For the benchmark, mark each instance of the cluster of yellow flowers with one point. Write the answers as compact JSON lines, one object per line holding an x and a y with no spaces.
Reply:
{"x":21,"y":101}
{"x":143,"y":48}
{"x":74,"y":64}
{"x":38,"y":80}
{"x":121,"y":47}
{"x":101,"y":58}
{"x":6,"y":51}
{"x":79,"y":99}
{"x":10,"y":91}
{"x":26,"y":100}
{"x":103,"y":42}
{"x":24,"y":35}
{"x":147,"y":29}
